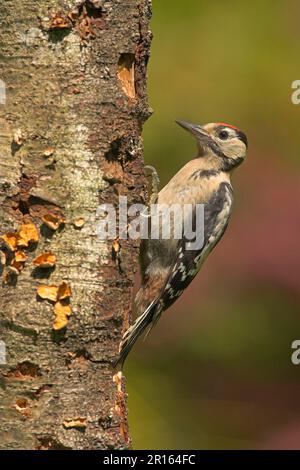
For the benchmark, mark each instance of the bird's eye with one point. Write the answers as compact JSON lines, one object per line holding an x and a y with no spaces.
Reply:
{"x":223,"y":135}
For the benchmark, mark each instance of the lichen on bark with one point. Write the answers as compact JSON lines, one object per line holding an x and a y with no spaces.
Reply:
{"x":70,"y":140}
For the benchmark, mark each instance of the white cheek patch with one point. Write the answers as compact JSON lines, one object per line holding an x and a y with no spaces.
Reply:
{"x":234,"y":148}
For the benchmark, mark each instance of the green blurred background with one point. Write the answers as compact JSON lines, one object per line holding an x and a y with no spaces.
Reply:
{"x":216,"y":372}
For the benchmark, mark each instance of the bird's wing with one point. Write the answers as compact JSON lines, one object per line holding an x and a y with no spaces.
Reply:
{"x":188,"y":261}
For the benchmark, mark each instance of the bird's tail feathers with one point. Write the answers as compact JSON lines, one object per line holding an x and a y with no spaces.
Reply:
{"x":134,"y":331}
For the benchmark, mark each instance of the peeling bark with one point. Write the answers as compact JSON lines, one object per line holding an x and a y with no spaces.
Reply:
{"x":70,"y":139}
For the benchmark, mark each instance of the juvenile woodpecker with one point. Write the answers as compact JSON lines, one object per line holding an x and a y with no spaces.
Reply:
{"x":167,"y":266}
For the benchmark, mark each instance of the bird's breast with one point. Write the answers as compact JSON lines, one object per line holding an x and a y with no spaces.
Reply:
{"x":196,"y":188}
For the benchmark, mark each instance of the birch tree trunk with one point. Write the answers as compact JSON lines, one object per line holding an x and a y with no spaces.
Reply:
{"x":70,"y":139}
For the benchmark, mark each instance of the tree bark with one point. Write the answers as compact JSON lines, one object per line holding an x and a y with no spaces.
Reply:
{"x":70,"y":140}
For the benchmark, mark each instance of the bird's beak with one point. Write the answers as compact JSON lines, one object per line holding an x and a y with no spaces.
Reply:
{"x":197,"y":131}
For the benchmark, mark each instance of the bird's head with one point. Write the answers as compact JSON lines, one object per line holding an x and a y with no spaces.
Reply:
{"x":225,"y":145}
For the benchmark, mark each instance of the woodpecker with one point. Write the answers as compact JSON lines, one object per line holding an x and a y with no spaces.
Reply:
{"x":167,"y":266}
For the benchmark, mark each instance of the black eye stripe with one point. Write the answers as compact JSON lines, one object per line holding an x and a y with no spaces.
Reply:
{"x":240,"y":135}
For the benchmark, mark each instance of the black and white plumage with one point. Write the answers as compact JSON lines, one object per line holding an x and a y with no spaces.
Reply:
{"x":167,"y":266}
